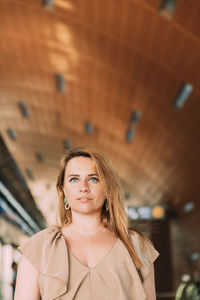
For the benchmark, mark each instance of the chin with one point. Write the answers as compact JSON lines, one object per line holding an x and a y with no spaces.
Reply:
{"x":86,"y":210}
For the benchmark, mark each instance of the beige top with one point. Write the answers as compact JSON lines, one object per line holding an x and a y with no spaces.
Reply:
{"x":64,"y":277}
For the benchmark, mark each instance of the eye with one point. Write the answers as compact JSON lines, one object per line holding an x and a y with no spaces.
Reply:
{"x":94,"y":179}
{"x":73,"y":179}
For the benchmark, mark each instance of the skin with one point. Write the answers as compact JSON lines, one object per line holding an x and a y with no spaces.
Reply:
{"x":27,"y":281}
{"x":81,"y":180}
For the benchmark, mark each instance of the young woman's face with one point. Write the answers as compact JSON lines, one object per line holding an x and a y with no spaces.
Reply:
{"x":82,"y":186}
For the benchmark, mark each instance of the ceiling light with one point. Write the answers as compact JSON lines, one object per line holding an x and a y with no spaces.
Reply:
{"x":29,"y":173}
{"x":136,"y":115}
{"x":194,"y":256}
{"x":39,"y":156}
{"x":67,"y":144}
{"x":49,"y":4}
{"x":156,"y":212}
{"x":12,"y":133}
{"x":144,"y":212}
{"x":183,"y":93}
{"x":89,"y":128}
{"x":167,"y":8}
{"x":189,"y":206}
{"x":169,"y":4}
{"x":24,"y":109}
{"x":130,"y":134}
{"x":127,"y":195}
{"x":132,"y":213}
{"x":60,"y":83}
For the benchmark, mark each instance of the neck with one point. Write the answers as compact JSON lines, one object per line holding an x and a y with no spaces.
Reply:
{"x":85,"y":223}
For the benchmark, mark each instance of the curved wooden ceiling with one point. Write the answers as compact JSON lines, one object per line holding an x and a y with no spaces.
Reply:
{"x":116,"y":56}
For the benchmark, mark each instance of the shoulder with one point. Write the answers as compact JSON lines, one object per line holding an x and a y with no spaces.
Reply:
{"x":49,"y":231}
{"x":42,"y":235}
{"x":42,"y":242}
{"x":46,"y":252}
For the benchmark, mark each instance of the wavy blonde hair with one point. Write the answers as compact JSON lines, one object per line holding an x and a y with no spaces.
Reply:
{"x":115,"y":218}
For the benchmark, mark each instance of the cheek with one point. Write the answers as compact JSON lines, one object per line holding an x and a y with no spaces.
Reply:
{"x":101,"y":193}
{"x":69,"y":190}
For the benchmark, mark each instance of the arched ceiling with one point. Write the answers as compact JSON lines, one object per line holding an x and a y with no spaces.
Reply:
{"x":116,"y":56}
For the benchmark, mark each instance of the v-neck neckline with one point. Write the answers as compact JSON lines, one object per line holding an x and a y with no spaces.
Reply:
{"x":97,"y":264}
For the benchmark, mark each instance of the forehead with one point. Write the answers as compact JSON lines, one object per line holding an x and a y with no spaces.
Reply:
{"x":80,"y":164}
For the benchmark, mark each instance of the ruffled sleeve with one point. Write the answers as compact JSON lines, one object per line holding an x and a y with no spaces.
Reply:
{"x":146,"y":253}
{"x":46,"y":250}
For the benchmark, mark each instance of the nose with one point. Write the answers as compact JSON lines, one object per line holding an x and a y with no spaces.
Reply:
{"x":84,"y":186}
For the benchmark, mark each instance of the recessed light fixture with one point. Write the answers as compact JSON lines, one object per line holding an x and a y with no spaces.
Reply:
{"x":127,"y":195}
{"x":194,"y":256}
{"x":39,"y":156}
{"x":67,"y":144}
{"x":132,"y":213}
{"x":12,"y":133}
{"x":29,"y":173}
{"x":89,"y":128}
{"x":169,"y":4}
{"x":24,"y":109}
{"x":183,"y":93}
{"x":135,"y":117}
{"x":189,"y":206}
{"x":48,"y":4}
{"x":144,"y":212}
{"x":157,"y":212}
{"x":167,"y":8}
{"x":61,"y":85}
{"x":129,"y":135}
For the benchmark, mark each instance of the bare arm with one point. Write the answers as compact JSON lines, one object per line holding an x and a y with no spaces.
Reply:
{"x":149,"y":285}
{"x":27,"y":281}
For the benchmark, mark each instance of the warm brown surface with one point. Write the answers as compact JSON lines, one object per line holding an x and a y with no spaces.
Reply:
{"x":117,"y":56}
{"x":185,"y":241}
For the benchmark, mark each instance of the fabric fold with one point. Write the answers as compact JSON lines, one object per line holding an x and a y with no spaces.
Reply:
{"x":62,"y":276}
{"x":120,"y":275}
{"x":146,"y":253}
{"x":53,"y":267}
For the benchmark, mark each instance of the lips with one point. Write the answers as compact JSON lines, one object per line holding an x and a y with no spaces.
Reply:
{"x":84,"y":198}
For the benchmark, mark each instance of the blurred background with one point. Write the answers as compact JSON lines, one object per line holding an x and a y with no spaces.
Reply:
{"x":122,"y":76}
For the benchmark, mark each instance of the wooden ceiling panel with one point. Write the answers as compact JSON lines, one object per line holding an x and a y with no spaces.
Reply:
{"x":158,"y":39}
{"x":152,"y":3}
{"x":185,"y":13}
{"x":116,"y":57}
{"x":131,"y":25}
{"x":116,"y":17}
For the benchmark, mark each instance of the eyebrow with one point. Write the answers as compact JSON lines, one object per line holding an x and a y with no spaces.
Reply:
{"x":79,"y":175}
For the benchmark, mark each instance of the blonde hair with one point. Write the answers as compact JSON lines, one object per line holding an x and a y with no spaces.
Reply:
{"x":115,"y":218}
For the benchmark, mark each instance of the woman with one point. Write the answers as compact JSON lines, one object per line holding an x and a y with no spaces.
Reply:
{"x":93,"y":255}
